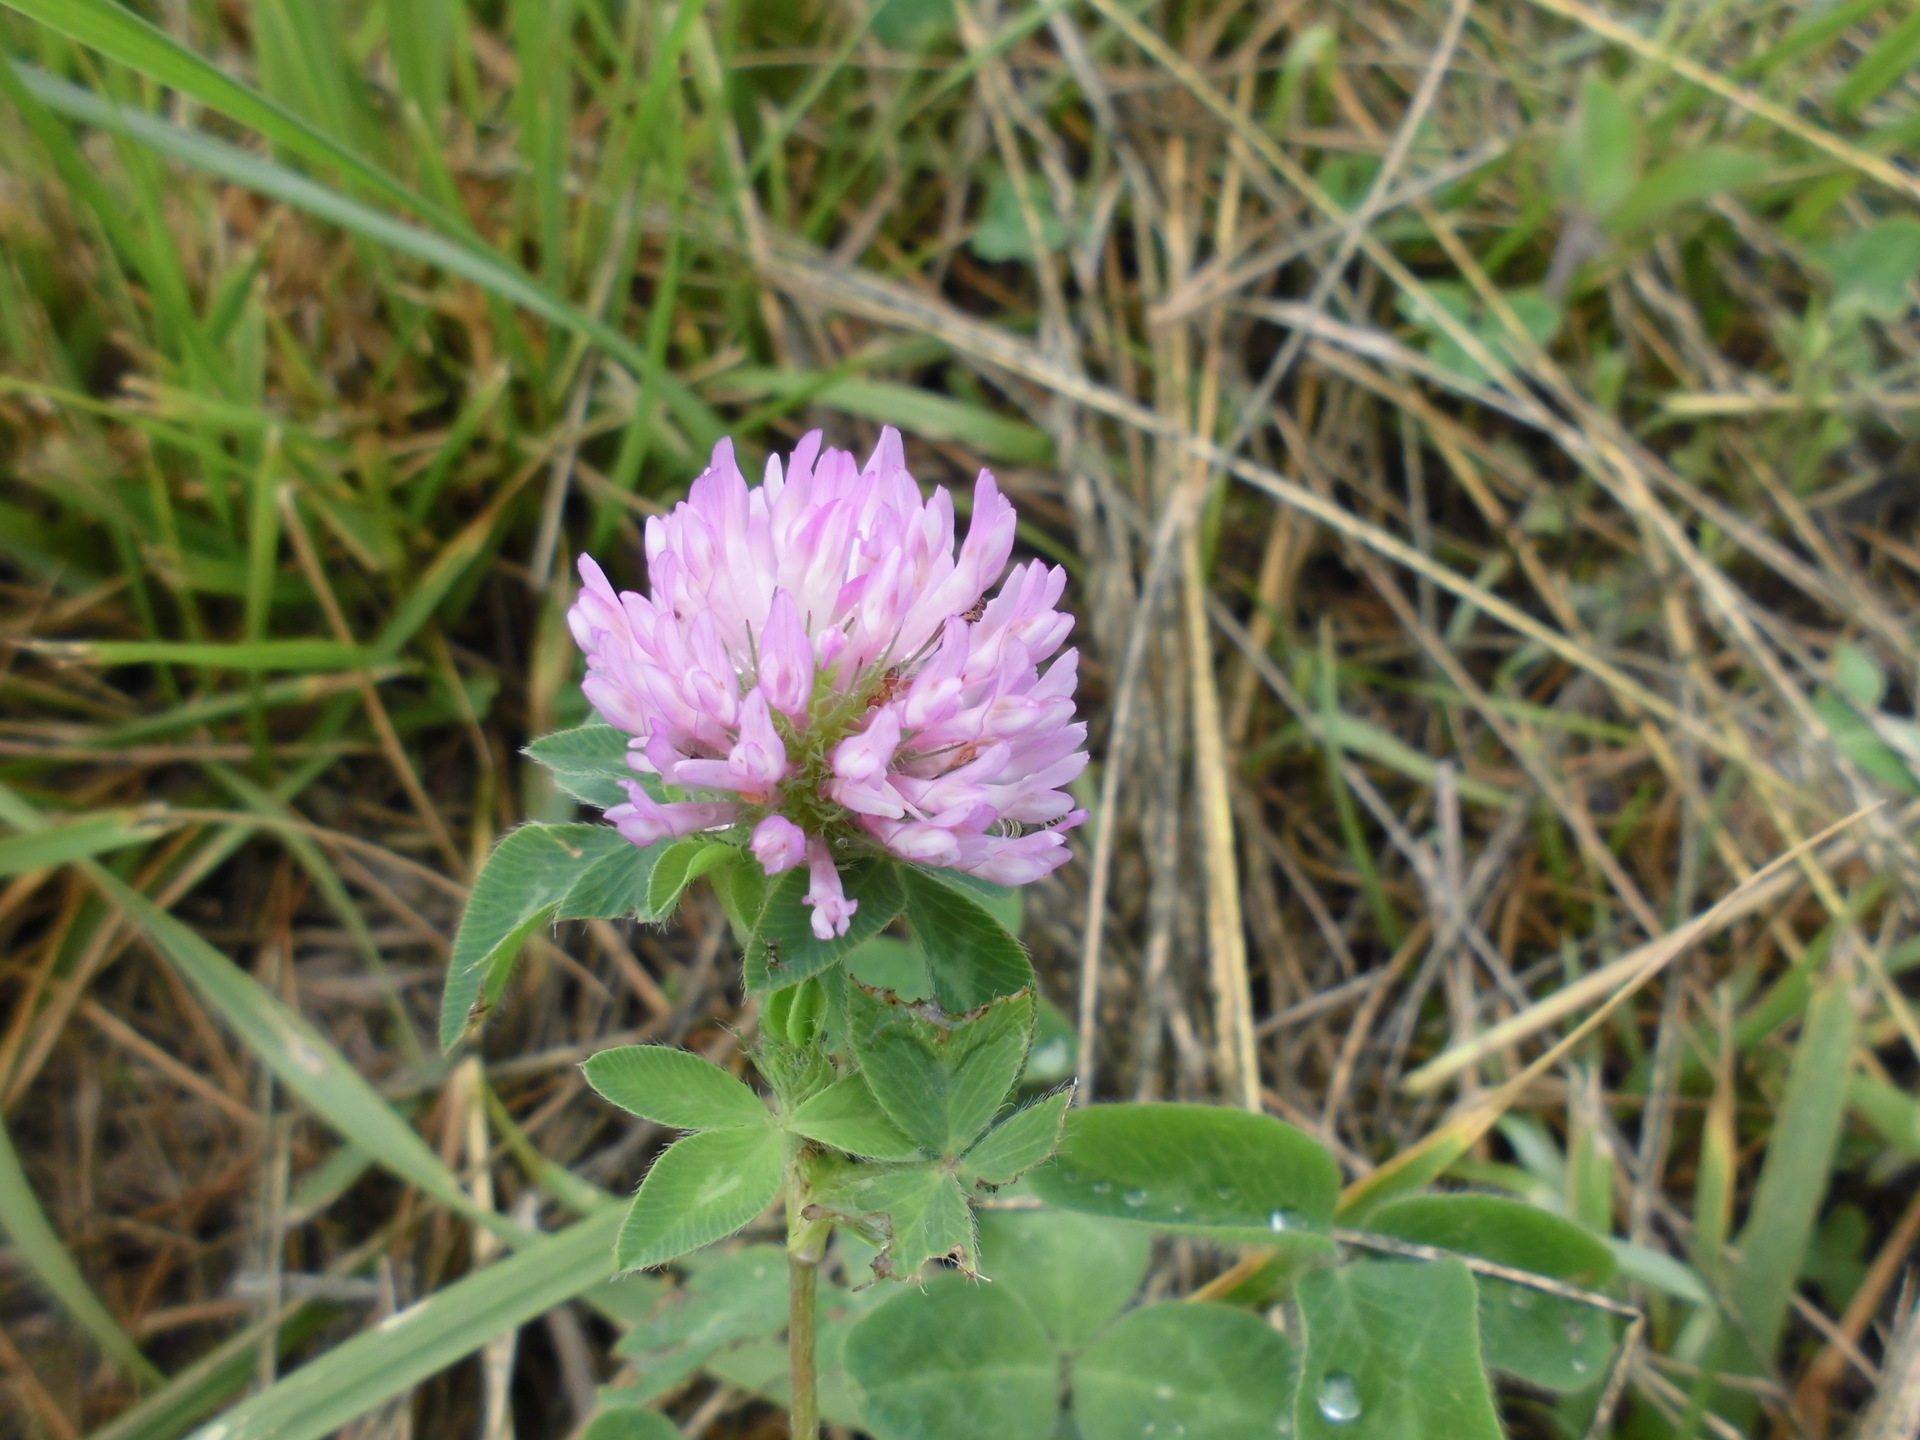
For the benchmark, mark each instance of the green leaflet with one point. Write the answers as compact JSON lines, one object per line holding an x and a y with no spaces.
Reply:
{"x":940,"y":1078}
{"x":1392,"y":1353}
{"x":1194,"y":1167}
{"x":959,"y":1362}
{"x":519,"y":888}
{"x":1197,"y":1371}
{"x":701,"y":1189}
{"x":783,"y":950}
{"x":674,"y":1087}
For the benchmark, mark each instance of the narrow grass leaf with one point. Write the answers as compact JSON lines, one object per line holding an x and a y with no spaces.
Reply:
{"x":1794,"y":1177}
{"x":38,"y":1247}
{"x":406,"y":1348}
{"x":484,"y":268}
{"x":93,"y":834}
{"x":253,"y":655}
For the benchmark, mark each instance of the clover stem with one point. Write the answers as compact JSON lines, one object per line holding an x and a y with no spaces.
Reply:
{"x":805,"y":1242}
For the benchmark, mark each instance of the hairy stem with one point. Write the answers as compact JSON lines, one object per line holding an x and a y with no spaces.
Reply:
{"x":805,"y":1243}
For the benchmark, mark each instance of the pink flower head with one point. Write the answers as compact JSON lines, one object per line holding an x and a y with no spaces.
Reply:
{"x":817,"y":660}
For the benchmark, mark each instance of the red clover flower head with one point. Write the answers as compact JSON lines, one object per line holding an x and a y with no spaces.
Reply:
{"x":816,"y":663}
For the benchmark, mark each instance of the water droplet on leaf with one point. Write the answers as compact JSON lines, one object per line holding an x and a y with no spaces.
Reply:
{"x":1579,"y":1365}
{"x":1135,"y":1198}
{"x":1339,"y":1397}
{"x":1165,"y":1392}
{"x":1102,"y":1187}
{"x":1520,"y":1297}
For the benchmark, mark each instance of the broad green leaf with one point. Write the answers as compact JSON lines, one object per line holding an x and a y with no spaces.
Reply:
{"x":519,"y":888}
{"x":679,"y":865}
{"x":1854,"y":671}
{"x":737,"y":1297}
{"x":630,"y":1422}
{"x":1001,"y":232}
{"x":702,"y":1188}
{"x":846,"y":1116}
{"x":37,"y":1246}
{"x":1074,"y":1272}
{"x":1196,"y":1371}
{"x":93,"y":834}
{"x":1860,"y":743}
{"x":674,"y":1087}
{"x":742,"y":1296}
{"x":1689,"y":178}
{"x":390,"y":1358}
{"x":1056,"y":1049}
{"x":911,"y":24}
{"x":916,"y":1214}
{"x":1873,"y":270}
{"x":725,"y":1320}
{"x":589,"y":762}
{"x":941,"y":1078}
{"x":1599,"y":158}
{"x":887,"y":962}
{"x":1203,"y":1168}
{"x":1023,"y":1140}
{"x":958,"y":1361}
{"x":970,"y":954}
{"x":1006,"y":903}
{"x":1392,"y":1353}
{"x":1795,"y":1174}
{"x":1507,"y":1232}
{"x":1612,"y":147}
{"x":1540,"y":317}
{"x":1547,"y":1340}
{"x":615,"y":885}
{"x":783,"y":950}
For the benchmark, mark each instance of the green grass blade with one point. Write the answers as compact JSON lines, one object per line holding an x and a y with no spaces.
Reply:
{"x":1797,"y":1170}
{"x":457,"y":257}
{"x":254,"y":655}
{"x":301,"y":1057}
{"x":91,"y":835}
{"x":124,"y":36}
{"x":37,"y":1246}
{"x":400,"y":1352}
{"x":196,"y":1392}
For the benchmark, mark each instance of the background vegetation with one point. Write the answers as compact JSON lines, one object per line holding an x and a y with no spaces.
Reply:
{"x":1480,"y":437}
